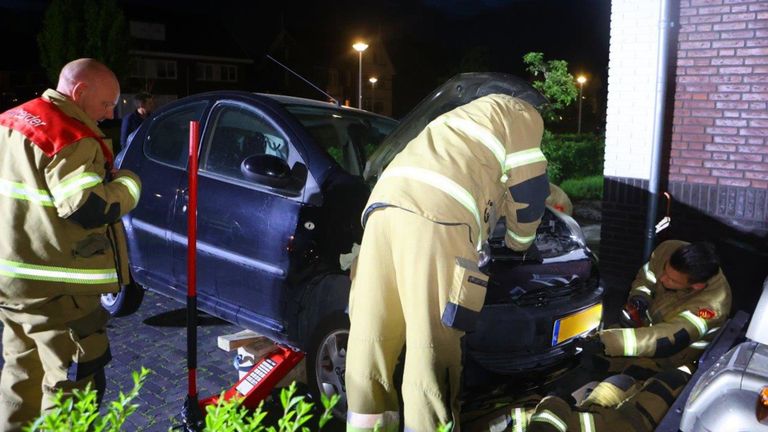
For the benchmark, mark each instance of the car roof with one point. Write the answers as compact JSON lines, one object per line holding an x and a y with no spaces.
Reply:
{"x":293,"y":100}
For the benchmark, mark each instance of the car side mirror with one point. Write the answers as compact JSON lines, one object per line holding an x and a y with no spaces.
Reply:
{"x":273,"y":171}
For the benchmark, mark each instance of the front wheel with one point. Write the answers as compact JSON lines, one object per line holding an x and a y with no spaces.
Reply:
{"x":124,"y":302}
{"x":327,"y":359}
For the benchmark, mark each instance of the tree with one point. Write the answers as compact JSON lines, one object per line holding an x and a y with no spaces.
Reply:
{"x":555,"y":83}
{"x":83,"y":28}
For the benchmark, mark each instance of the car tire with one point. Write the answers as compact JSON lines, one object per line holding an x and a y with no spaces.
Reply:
{"x":124,"y":302}
{"x":326,"y":361}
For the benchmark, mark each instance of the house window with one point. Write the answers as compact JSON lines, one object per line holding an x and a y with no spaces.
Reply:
{"x":152,"y":68}
{"x":204,"y":72}
{"x":215,"y":72}
{"x":165,"y":69}
{"x":228,"y":73}
{"x":138,"y":67}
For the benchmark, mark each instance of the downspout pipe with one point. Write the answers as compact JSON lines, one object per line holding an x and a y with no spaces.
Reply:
{"x":665,"y":28}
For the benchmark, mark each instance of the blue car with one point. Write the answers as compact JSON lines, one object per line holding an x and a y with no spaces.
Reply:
{"x":282,"y":183}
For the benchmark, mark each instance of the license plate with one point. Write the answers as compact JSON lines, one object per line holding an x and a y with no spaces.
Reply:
{"x":577,"y":324}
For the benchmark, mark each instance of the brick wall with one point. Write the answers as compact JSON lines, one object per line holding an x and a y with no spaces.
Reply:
{"x":720,"y":115}
{"x":717,"y":143}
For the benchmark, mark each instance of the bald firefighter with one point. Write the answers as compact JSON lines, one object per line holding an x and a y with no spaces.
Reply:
{"x":677,"y":301}
{"x":60,"y":249}
{"x":417,"y":281}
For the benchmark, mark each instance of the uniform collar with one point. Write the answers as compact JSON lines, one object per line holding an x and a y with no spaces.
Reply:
{"x":65,"y":104}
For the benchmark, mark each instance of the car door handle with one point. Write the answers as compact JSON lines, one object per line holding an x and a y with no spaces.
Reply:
{"x":183,"y":194}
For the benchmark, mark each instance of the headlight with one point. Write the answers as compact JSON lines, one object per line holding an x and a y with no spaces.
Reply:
{"x":576,"y":233}
{"x":742,"y":354}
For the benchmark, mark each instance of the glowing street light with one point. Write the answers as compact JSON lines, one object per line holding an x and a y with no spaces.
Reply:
{"x":581,"y":80}
{"x":360,"y":47}
{"x":373,"y":81}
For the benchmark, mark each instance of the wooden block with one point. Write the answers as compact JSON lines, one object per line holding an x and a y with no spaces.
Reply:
{"x":233,"y":341}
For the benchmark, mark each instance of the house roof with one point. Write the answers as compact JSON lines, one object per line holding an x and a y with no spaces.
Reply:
{"x":183,"y":33}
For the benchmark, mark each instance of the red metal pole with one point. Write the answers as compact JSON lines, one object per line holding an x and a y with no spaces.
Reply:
{"x":191,"y":412}
{"x":194,"y":139}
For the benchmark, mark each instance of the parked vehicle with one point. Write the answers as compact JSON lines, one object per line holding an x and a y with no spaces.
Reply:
{"x":732,"y":394}
{"x":280,"y":196}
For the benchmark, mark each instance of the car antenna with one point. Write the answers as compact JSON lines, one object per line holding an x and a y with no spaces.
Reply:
{"x":336,"y":101}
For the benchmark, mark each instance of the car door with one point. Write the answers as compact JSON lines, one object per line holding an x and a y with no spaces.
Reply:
{"x":245,"y":227}
{"x":159,"y":157}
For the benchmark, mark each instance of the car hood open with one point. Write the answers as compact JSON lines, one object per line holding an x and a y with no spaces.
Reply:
{"x":459,"y":90}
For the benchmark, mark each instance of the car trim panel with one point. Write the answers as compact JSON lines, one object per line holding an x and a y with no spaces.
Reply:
{"x":210,"y":249}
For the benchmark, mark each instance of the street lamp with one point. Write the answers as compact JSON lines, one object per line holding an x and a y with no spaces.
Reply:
{"x":360,"y":47}
{"x":581,"y":80}
{"x":373,"y":81}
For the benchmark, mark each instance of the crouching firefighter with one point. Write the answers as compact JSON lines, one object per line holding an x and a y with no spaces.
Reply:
{"x":60,"y":201}
{"x":676,"y":304}
{"x":417,"y":281}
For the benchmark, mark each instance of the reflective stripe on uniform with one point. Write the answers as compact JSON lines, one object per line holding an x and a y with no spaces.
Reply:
{"x":131,"y":185}
{"x":651,"y":276}
{"x":521,"y":239}
{"x":482,"y":134}
{"x":630,"y":342}
{"x":519,"y":420}
{"x":26,"y":193}
{"x":387,"y":421}
{"x":587,"y":421}
{"x":700,"y":345}
{"x":75,"y":184}
{"x":446,"y":185}
{"x":644,"y":290}
{"x":57,"y":274}
{"x":698,"y":322}
{"x":490,"y":141}
{"x":549,"y":417}
{"x":524,"y":157}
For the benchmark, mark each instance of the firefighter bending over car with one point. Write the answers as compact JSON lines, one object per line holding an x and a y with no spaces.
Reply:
{"x":60,"y":199}
{"x":417,"y":281}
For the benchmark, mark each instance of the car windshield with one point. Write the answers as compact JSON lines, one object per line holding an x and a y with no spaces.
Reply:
{"x":457,"y":91}
{"x":350,"y":137}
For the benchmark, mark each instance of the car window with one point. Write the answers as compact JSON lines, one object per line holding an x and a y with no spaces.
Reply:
{"x":238,"y":133}
{"x":349,"y":137}
{"x":168,"y":136}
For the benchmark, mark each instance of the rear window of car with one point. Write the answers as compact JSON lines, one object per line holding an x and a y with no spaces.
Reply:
{"x":168,"y":136}
{"x":349,"y":137}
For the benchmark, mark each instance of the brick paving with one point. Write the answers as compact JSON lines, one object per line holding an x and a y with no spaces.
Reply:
{"x":155,"y":337}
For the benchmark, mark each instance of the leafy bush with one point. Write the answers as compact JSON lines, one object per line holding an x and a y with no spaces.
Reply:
{"x":573,"y":156}
{"x":80,"y":412}
{"x":587,"y":188}
{"x":230,"y":416}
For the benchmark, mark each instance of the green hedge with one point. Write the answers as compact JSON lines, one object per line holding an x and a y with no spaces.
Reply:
{"x":572,"y":156}
{"x":587,"y":188}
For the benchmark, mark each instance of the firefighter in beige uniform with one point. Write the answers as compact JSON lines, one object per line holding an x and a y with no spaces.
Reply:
{"x":640,"y":412}
{"x":677,"y":302}
{"x":60,"y":199}
{"x":417,"y":282}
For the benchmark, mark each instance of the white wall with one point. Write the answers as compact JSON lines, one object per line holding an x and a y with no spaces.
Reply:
{"x":631,"y":87}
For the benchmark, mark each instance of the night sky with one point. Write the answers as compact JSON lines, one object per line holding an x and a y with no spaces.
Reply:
{"x":428,"y":40}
